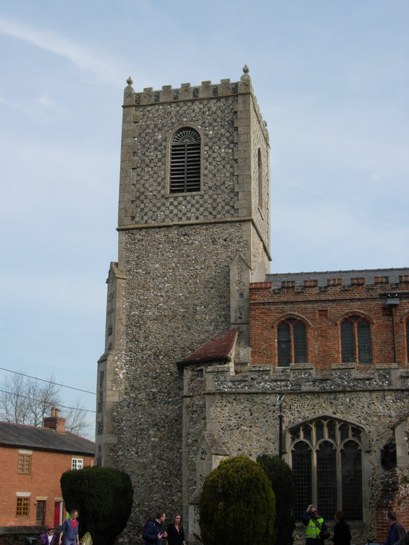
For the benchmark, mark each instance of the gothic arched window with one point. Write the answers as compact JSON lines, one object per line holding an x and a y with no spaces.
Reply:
{"x":292,"y":342}
{"x":326,"y":459}
{"x":356,"y":340}
{"x":185,"y":161}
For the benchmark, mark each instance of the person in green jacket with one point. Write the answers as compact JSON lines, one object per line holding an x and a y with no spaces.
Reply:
{"x":315,"y":528}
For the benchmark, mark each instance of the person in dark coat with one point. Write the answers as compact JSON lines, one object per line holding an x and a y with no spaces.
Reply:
{"x":342,"y":533}
{"x":396,"y":531}
{"x":49,"y":537}
{"x":176,"y":534}
{"x":154,"y":531}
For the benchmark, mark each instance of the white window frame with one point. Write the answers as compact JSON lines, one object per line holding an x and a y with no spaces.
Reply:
{"x":77,"y":463}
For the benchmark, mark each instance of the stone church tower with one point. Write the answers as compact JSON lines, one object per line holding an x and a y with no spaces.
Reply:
{"x":193,"y":230}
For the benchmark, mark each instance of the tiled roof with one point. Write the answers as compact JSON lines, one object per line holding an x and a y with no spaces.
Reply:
{"x":19,"y":435}
{"x":217,"y":349}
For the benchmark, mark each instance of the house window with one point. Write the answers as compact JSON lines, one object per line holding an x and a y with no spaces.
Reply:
{"x":24,"y":464}
{"x":185,"y":161}
{"x":326,"y":459}
{"x":292,"y":342}
{"x":356,"y":340}
{"x":77,"y":463}
{"x":22,"y":506}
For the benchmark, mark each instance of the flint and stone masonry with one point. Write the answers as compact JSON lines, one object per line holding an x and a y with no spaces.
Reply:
{"x":190,"y":370}
{"x":170,"y":290}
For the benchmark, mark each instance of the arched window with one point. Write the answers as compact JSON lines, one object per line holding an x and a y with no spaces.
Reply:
{"x":185,"y":161}
{"x":356,"y":340}
{"x":327,"y":464}
{"x":292,"y":342}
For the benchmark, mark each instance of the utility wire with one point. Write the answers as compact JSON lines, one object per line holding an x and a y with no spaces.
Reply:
{"x":48,"y":381}
{"x":46,"y":402}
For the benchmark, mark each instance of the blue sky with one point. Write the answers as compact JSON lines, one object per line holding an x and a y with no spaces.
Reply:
{"x":332,"y":81}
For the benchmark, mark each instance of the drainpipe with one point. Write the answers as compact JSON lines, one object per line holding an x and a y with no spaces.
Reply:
{"x":280,"y":400}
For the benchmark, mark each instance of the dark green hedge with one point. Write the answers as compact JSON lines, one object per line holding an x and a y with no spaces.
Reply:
{"x":282,"y":480}
{"x":237,"y":505}
{"x":103,"y":497}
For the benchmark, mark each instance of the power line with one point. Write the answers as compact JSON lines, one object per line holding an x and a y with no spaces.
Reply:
{"x":46,"y":402}
{"x":48,"y":381}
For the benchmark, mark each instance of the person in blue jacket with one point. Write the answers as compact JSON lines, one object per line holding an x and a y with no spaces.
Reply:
{"x":154,"y":531}
{"x":69,"y":530}
{"x":396,"y":531}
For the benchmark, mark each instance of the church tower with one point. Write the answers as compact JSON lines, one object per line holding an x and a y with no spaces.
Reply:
{"x":193,"y":229}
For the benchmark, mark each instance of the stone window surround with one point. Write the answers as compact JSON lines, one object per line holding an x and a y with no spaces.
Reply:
{"x":170,"y":137}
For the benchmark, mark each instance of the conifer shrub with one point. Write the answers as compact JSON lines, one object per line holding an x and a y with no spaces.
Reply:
{"x":103,"y":497}
{"x":282,"y":481}
{"x":237,"y":505}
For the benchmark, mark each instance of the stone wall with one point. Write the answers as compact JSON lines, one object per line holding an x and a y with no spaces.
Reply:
{"x":175,"y":297}
{"x":242,"y":418}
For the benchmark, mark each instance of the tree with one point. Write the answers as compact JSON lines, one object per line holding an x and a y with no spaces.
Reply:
{"x":25,"y":400}
{"x":103,"y":497}
{"x":237,"y":505}
{"x":282,"y":481}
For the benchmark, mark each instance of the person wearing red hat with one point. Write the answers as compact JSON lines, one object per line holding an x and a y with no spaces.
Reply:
{"x":49,"y":537}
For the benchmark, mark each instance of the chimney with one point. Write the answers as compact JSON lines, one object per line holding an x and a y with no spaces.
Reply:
{"x":54,"y":422}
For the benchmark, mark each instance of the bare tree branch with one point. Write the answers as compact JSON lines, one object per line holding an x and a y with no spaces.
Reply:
{"x":24,"y":400}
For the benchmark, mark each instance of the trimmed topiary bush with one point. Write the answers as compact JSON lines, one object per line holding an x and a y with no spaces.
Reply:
{"x":237,"y":505}
{"x":103,"y":497}
{"x":282,"y":480}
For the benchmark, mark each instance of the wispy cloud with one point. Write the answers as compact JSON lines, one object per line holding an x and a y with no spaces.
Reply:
{"x":38,"y":108}
{"x":84,"y":58}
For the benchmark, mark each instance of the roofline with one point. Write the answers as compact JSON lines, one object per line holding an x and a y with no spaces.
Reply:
{"x":45,"y":449}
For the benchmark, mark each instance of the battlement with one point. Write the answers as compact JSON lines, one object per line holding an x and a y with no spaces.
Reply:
{"x":387,"y":279}
{"x":187,"y":92}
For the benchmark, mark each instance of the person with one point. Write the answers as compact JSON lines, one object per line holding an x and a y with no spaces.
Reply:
{"x":176,"y":534}
{"x":48,"y":537}
{"x":154,"y":530}
{"x":315,"y":528}
{"x":396,"y":531}
{"x":342,"y":533}
{"x":69,"y":530}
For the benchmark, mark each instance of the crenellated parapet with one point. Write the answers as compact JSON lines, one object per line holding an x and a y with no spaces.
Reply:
{"x":187,"y":92}
{"x":384,"y":280}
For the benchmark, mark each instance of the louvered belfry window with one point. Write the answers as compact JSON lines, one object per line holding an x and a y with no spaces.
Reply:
{"x":185,"y":161}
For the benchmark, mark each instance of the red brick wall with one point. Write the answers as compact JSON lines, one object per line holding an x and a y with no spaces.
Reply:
{"x":322,"y":309}
{"x":393,"y":496}
{"x":44,"y":481}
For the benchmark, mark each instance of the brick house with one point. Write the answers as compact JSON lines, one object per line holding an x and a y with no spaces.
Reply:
{"x":32,"y":460}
